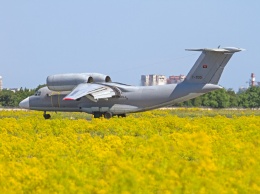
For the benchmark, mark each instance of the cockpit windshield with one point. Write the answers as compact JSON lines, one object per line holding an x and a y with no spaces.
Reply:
{"x":37,"y":93}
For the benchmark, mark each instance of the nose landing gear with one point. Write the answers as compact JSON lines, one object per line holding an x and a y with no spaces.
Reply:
{"x":46,"y":116}
{"x":121,"y":115}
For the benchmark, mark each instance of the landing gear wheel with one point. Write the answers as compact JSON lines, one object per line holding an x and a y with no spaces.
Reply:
{"x":97,"y":114}
{"x":46,"y":116}
{"x":108,"y":115}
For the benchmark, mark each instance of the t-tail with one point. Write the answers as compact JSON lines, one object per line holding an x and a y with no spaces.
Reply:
{"x":205,"y":73}
{"x":210,"y":65}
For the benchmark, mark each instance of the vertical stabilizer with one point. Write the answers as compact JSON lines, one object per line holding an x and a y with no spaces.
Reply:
{"x":210,"y":65}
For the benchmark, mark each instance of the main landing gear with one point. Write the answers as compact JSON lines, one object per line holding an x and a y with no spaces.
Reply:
{"x":121,"y":115}
{"x":97,"y":114}
{"x":106,"y":115}
{"x":46,"y":116}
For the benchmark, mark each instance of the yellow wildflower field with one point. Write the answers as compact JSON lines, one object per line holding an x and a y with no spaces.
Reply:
{"x":151,"y":152}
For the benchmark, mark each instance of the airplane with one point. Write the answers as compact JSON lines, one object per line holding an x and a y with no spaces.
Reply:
{"x":96,"y":94}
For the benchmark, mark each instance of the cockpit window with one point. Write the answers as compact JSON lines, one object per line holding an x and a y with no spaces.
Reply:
{"x":37,"y":93}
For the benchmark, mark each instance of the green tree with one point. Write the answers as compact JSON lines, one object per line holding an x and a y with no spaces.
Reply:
{"x":12,"y":99}
{"x":209,"y":100}
{"x":39,"y":86}
{"x":197,"y":101}
{"x":233,"y":98}
{"x":250,"y":98}
{"x":222,"y":98}
{"x":7,"y":98}
{"x":22,"y":94}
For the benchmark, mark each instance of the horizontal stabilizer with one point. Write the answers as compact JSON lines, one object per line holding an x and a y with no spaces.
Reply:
{"x":222,"y":50}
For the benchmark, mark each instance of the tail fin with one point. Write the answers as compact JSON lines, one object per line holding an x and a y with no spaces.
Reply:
{"x":210,"y":65}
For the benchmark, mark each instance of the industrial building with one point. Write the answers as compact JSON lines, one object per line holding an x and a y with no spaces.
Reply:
{"x":252,"y":81}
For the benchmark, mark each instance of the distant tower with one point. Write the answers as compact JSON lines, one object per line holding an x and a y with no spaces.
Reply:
{"x":252,"y":79}
{"x":1,"y":83}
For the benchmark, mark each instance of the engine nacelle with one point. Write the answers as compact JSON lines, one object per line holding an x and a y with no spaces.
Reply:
{"x":98,"y":77}
{"x":66,"y":82}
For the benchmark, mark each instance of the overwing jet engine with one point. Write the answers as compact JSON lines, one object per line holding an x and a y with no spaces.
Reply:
{"x":66,"y":82}
{"x":96,"y":94}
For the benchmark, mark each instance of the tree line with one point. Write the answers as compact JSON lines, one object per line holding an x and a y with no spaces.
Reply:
{"x":222,"y":98}
{"x":9,"y":98}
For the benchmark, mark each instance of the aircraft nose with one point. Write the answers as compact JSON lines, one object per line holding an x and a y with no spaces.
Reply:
{"x":25,"y":103}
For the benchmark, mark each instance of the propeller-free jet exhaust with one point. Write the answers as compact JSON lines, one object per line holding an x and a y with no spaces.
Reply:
{"x":96,"y":94}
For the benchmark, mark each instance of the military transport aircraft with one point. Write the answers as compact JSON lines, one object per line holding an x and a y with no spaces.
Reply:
{"x":96,"y":94}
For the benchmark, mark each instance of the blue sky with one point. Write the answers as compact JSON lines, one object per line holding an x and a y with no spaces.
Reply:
{"x":124,"y":39}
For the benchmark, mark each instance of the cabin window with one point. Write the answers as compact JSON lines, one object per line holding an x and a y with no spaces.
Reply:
{"x":37,"y":93}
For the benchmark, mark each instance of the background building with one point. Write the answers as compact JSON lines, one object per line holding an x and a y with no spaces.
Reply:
{"x":145,"y":80}
{"x":175,"y":79}
{"x":12,"y":89}
{"x":153,"y":79}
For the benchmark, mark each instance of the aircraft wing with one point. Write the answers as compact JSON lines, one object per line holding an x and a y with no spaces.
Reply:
{"x":93,"y":91}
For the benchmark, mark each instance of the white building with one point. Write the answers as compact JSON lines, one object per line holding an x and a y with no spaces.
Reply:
{"x":153,"y":79}
{"x":161,"y":80}
{"x":12,"y":89}
{"x":145,"y":80}
{"x":175,"y":79}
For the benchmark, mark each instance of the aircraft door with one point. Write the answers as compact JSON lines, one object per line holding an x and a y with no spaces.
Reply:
{"x":55,"y":100}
